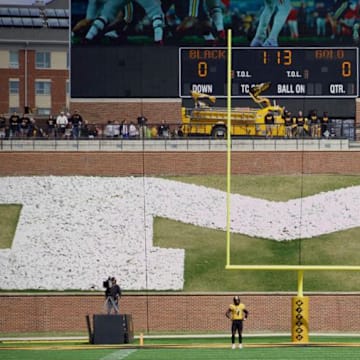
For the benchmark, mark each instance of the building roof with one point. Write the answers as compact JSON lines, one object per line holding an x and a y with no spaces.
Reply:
{"x":56,"y":4}
{"x":37,"y":24}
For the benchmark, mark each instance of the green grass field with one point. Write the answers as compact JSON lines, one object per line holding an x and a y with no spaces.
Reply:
{"x":189,"y":349}
{"x":9,"y":216}
{"x":274,"y":187}
{"x":205,"y":248}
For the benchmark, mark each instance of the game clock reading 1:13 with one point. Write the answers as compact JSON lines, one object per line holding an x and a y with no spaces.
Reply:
{"x":293,"y":72}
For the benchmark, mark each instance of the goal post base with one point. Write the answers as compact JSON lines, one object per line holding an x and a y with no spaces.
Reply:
{"x":300,"y":319}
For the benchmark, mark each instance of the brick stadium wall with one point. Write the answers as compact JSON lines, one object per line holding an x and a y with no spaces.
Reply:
{"x":155,"y":110}
{"x":177,"y":163}
{"x":101,"y":110}
{"x":177,"y":312}
{"x":181,"y":312}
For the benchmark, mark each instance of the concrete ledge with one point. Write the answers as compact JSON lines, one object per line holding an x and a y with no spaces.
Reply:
{"x":187,"y":144}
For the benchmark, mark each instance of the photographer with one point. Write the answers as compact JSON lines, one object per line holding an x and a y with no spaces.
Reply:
{"x":112,"y":295}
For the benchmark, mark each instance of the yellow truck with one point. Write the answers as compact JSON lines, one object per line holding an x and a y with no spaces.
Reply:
{"x":206,"y":119}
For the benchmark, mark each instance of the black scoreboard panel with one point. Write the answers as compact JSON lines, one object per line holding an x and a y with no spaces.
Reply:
{"x":293,"y":72}
{"x":124,"y":72}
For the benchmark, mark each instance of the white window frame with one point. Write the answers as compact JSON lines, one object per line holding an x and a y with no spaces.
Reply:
{"x":14,"y":87}
{"x":13,"y":59}
{"x":67,"y":88}
{"x":45,"y":88}
{"x":43,"y":60}
{"x":14,"y":109}
{"x":43,"y":111}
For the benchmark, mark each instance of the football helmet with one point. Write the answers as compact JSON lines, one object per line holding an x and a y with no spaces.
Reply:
{"x":236,"y":300}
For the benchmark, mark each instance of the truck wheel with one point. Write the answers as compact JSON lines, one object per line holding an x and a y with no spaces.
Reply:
{"x":219,"y":132}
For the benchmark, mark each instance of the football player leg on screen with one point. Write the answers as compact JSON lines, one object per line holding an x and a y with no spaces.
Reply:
{"x":154,"y":12}
{"x":216,"y":14}
{"x":101,"y":13}
{"x":282,"y":8}
{"x":204,"y":17}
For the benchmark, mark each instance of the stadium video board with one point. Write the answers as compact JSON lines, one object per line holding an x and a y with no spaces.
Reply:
{"x":130,"y":49}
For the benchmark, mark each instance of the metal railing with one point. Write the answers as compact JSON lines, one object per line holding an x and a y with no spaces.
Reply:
{"x":181,"y":144}
{"x":101,"y":137}
{"x":337,"y":128}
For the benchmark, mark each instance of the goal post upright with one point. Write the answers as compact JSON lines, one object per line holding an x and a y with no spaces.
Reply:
{"x":228,"y":146}
{"x":299,"y":303}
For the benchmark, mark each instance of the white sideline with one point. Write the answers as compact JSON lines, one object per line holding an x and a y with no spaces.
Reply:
{"x":176,"y":336}
{"x":119,"y":355}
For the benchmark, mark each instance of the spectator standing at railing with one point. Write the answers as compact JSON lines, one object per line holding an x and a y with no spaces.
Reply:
{"x":109,"y":129}
{"x":14,"y":123}
{"x":36,"y":130}
{"x":269,"y":124}
{"x":325,"y":125}
{"x":154,"y":132}
{"x":2,"y":126}
{"x":133,"y":131}
{"x":50,"y":126}
{"x":116,"y":129}
{"x":90,"y":131}
{"x":314,"y":124}
{"x":68,"y":131}
{"x":124,"y":129}
{"x":61,"y":122}
{"x":163,"y":130}
{"x":25,"y":126}
{"x":76,"y":121}
{"x":288,"y":124}
{"x":300,"y":122}
{"x":143,"y":129}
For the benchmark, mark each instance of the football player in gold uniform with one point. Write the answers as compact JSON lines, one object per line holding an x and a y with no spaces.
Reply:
{"x":237,"y":313}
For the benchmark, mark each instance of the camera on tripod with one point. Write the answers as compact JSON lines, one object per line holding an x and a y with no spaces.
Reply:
{"x":108,"y":283}
{"x":112,"y":295}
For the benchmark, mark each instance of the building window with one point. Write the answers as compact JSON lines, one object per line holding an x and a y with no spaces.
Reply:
{"x":43,"y":111}
{"x":14,"y":87}
{"x":42,"y":87}
{"x":14,"y":109}
{"x":67,"y":88}
{"x":13,"y":59}
{"x":43,"y":60}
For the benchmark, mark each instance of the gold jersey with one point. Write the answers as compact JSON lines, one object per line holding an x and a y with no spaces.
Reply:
{"x":237,"y":311}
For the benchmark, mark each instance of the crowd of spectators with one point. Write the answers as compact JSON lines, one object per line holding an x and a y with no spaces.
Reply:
{"x":298,"y":125}
{"x":73,"y":126}
{"x":19,"y":126}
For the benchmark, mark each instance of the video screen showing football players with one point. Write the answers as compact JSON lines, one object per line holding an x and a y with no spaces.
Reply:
{"x":205,"y":22}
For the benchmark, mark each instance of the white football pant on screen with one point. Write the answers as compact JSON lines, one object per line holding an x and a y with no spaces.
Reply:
{"x":154,"y":12}
{"x":214,"y":9}
{"x":102,"y":12}
{"x":282,"y":8}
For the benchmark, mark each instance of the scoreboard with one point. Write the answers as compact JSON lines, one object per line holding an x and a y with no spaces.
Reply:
{"x":293,"y":72}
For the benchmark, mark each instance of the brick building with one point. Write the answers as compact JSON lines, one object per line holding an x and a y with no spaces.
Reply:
{"x":34,"y":57}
